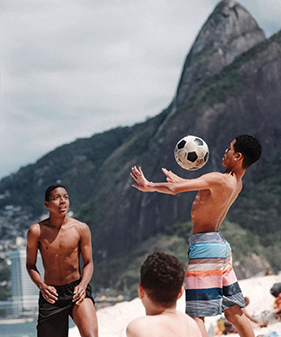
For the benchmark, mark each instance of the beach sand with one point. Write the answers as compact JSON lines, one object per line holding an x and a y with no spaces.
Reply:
{"x":113,"y":320}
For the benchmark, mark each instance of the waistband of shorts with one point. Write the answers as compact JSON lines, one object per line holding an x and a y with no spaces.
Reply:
{"x":206,"y":237}
{"x":68,"y":285}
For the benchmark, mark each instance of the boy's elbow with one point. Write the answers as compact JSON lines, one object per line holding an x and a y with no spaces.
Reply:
{"x":29,"y":268}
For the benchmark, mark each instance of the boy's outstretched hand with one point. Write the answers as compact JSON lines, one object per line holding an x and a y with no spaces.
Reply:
{"x":172,"y":177}
{"x":144,"y":185}
{"x":141,"y":181}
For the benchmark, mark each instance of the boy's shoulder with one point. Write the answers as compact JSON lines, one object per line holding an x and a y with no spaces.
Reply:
{"x":145,"y":326}
{"x":214,"y":175}
{"x":138,"y":327}
{"x":78,"y":224}
{"x":152,"y":325}
{"x":80,"y":227}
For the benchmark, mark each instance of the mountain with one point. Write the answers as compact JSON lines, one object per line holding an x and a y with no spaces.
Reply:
{"x":230,"y":85}
{"x":228,"y":32}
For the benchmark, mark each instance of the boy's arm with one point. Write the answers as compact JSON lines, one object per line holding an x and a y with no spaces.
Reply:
{"x":88,"y":268}
{"x":172,"y":177}
{"x":175,"y":184}
{"x":48,"y":292}
{"x":251,"y":318}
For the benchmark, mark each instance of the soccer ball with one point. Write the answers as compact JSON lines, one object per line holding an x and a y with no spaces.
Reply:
{"x":191,"y":153}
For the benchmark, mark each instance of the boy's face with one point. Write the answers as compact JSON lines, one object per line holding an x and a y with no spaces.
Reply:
{"x":229,"y":155}
{"x":58,"y":201}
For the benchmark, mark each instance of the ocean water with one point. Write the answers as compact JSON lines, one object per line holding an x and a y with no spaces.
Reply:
{"x":27,"y":329}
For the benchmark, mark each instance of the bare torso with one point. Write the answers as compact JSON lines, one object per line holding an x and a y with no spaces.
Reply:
{"x":168,"y":325}
{"x":210,"y":206}
{"x":60,"y":249}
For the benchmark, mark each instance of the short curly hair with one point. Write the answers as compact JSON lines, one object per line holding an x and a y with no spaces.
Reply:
{"x":250,"y":148}
{"x":50,"y":189}
{"x":162,"y":277}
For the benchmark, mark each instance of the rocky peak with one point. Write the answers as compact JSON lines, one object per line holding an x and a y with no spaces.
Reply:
{"x":229,"y":31}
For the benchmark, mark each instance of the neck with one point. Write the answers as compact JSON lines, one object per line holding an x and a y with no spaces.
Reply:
{"x":158,"y":310}
{"x":56,"y":221}
{"x":235,"y":172}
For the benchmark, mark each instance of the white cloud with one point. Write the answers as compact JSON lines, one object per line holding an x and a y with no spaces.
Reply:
{"x":70,"y":69}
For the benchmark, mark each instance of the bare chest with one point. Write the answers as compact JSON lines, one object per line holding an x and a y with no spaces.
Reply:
{"x":63,"y":241}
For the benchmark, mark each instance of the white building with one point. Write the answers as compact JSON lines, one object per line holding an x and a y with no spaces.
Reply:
{"x":25,"y":294}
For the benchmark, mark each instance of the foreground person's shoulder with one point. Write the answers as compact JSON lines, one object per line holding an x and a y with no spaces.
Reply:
{"x":80,"y":225}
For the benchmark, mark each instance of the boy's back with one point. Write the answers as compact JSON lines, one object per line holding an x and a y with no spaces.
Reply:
{"x":167,"y":324}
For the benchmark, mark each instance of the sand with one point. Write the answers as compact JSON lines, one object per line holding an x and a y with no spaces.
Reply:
{"x":113,"y":320}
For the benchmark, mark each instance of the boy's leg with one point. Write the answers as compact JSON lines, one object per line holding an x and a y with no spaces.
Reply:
{"x":52,"y":319}
{"x":85,"y":318}
{"x":201,"y":324}
{"x":236,"y":316}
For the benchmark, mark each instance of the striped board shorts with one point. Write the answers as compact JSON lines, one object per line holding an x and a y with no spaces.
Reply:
{"x":211,"y":284}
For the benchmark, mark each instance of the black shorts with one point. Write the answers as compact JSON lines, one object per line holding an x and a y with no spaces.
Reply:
{"x":53,"y":318}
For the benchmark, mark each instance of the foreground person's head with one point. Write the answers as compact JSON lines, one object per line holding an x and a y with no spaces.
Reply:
{"x":162,"y":279}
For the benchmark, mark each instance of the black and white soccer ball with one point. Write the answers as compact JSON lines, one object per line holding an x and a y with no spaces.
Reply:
{"x":191,"y":153}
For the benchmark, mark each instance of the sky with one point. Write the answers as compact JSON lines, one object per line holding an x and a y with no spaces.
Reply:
{"x":70,"y":69}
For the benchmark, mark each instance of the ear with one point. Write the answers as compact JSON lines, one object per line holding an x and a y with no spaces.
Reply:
{"x":46,"y":204}
{"x":238,"y":156}
{"x":141,"y":291}
{"x":181,"y":292}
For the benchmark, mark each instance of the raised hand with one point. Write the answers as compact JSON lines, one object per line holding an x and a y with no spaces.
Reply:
{"x":141,"y":181}
{"x":172,"y":177}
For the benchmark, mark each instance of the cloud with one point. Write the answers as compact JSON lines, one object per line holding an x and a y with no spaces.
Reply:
{"x":70,"y":69}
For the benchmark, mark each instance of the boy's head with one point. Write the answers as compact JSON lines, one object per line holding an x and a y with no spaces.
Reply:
{"x":162,"y":278}
{"x":249,"y":147}
{"x":50,"y":189}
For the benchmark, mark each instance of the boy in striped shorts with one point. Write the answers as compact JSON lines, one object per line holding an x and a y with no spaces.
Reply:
{"x":211,"y":284}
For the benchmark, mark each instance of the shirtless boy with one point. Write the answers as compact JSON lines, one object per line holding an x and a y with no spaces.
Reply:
{"x":65,"y":290}
{"x":161,"y":285}
{"x":211,"y":284}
